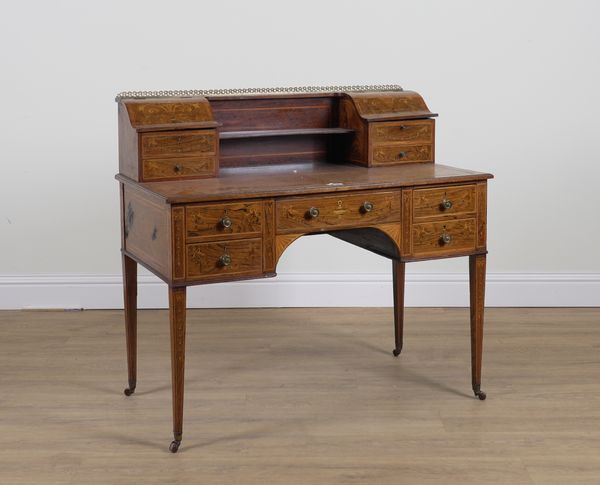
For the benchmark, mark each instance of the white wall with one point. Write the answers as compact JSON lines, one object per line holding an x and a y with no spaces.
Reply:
{"x":516,"y":85}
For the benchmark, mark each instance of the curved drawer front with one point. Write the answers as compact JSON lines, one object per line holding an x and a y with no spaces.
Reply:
{"x":444,"y":201}
{"x":212,"y":221}
{"x":444,"y":237}
{"x":310,"y":214}
{"x":223,"y":259}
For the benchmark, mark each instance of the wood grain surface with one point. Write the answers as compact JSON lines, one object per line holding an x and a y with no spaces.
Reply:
{"x":399,"y":105}
{"x":343,"y":210}
{"x":304,"y":178}
{"x":427,"y":237}
{"x":178,"y":143}
{"x":302,"y":396}
{"x":428,"y":202}
{"x":401,"y":153}
{"x":203,"y":259}
{"x":179,"y":168}
{"x":167,"y":111}
{"x":402,"y":131}
{"x":147,"y":230}
{"x":205,"y":221}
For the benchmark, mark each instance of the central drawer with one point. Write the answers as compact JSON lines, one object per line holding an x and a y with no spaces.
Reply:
{"x":310,"y":214}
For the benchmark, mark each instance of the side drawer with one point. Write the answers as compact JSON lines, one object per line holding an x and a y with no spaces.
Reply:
{"x":309,"y":214}
{"x":444,"y":237}
{"x":243,"y":219}
{"x":413,"y":131}
{"x":214,"y":260}
{"x":178,"y":143}
{"x":176,"y":168}
{"x":444,"y":201}
{"x":400,"y":153}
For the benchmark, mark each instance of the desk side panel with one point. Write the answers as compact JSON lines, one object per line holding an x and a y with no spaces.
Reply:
{"x":146,"y":231}
{"x":128,"y":146}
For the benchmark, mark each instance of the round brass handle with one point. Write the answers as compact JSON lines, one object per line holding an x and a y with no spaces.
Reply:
{"x":177,"y":168}
{"x":313,"y":212}
{"x":445,"y":238}
{"x":225,"y":260}
{"x":367,"y":206}
{"x":446,"y":204}
{"x":401,"y":154}
{"x":226,"y":222}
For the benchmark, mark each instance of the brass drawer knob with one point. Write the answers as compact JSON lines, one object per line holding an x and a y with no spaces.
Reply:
{"x":313,"y":213}
{"x":367,"y":206}
{"x":445,"y":238}
{"x":225,"y":260}
{"x":446,"y":204}
{"x":226,"y":222}
{"x":401,"y":155}
{"x":177,"y":168}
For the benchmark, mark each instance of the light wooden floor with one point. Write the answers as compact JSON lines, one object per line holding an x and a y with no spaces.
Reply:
{"x":303,"y":396}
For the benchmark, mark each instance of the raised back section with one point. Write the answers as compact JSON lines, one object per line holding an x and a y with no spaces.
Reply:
{"x":283,"y":129}
{"x":182,"y":137}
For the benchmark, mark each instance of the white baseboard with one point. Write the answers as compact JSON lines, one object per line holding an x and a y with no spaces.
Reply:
{"x":73,"y":291}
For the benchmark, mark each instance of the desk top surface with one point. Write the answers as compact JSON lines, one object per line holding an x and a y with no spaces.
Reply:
{"x":304,"y":178}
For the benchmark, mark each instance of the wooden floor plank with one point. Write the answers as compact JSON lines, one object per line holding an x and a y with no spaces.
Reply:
{"x":303,"y":396}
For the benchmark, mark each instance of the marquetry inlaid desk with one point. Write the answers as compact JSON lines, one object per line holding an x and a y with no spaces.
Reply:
{"x":215,"y":185}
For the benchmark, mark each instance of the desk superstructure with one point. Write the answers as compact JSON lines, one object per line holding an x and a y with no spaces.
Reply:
{"x":216,"y":185}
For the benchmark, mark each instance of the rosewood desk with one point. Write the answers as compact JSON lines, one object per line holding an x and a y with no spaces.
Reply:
{"x":215,"y":185}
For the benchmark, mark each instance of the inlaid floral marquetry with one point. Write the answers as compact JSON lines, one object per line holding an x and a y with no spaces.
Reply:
{"x":409,"y":131}
{"x":215,"y":260}
{"x":213,"y":221}
{"x":393,"y":154}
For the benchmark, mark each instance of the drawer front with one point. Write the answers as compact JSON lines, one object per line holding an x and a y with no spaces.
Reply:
{"x":387,"y":154}
{"x":215,"y":220}
{"x":178,"y":143}
{"x":444,"y":201}
{"x":176,"y":168}
{"x":447,"y":237}
{"x":344,"y":210}
{"x":213,"y":260}
{"x":420,"y":131}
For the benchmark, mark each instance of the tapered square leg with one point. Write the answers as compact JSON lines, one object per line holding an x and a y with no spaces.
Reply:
{"x":177,"y":313}
{"x":477,"y":293}
{"x":398,"y":268}
{"x":130,"y":306}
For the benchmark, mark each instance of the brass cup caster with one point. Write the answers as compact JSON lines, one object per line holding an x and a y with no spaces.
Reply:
{"x":174,"y":446}
{"x":479,"y":393}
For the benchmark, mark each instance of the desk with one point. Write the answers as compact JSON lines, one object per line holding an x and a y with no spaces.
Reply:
{"x":216,"y":185}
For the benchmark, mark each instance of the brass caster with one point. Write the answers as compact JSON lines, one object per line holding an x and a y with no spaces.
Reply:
{"x":174,"y":446}
{"x":129,"y":391}
{"x":479,"y":393}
